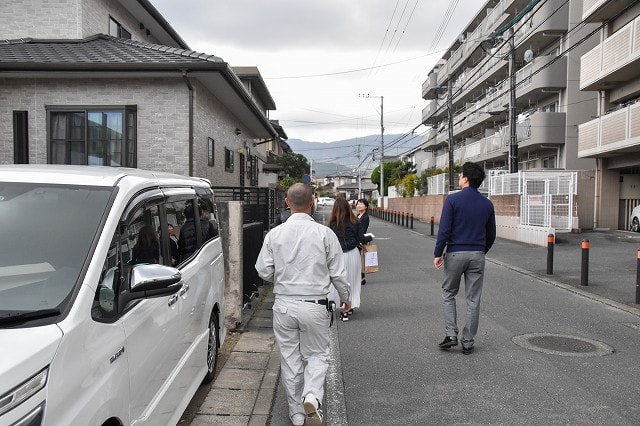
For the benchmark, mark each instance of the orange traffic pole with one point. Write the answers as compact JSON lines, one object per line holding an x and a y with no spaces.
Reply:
{"x":584,"y":270}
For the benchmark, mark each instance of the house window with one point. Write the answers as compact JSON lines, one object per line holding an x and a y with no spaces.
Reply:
{"x":228,"y":160}
{"x":549,"y":162}
{"x":210,"y":157}
{"x":95,"y":137}
{"x":253,"y":170}
{"x":117,"y":30}
{"x":243,"y":167}
{"x":20,"y":138}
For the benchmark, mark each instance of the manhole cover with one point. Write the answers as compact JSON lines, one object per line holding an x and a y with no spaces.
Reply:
{"x":558,"y":344}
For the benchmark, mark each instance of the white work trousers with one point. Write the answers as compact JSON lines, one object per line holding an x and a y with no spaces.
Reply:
{"x":302,"y":333}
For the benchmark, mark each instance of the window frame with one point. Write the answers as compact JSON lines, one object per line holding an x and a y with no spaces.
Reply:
{"x":211,"y":161}
{"x":128,"y":140}
{"x":121,"y":32}
{"x":20,"y":137}
{"x":228,"y":160}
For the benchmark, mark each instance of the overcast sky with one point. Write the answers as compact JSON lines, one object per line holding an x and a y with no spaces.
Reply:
{"x":317,"y":57}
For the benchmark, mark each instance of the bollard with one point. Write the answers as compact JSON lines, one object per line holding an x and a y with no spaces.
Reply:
{"x":403,"y":216}
{"x":638,"y":279}
{"x":584,"y":270}
{"x":550,"y":244}
{"x":432,"y":224}
{"x":411,"y":220}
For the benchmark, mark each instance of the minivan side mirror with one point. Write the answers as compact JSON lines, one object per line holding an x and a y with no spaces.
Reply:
{"x":153,"y":280}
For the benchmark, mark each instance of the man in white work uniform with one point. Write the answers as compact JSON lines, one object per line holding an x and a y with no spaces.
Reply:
{"x":303,"y":258}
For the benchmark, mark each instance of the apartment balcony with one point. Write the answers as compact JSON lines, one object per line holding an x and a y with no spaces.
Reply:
{"x":429,"y":110}
{"x":548,"y":20}
{"x":538,"y":77}
{"x":614,"y":60}
{"x":611,"y":135}
{"x":601,"y":10}
{"x":541,"y":130}
{"x":430,"y":86}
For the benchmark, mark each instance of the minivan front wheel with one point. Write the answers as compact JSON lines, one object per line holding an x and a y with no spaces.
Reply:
{"x":635,"y":225}
{"x":212,"y":349}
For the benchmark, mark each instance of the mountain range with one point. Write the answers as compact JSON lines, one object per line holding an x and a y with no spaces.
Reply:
{"x":341,"y":156}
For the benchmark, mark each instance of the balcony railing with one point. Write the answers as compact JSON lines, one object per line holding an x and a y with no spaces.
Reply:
{"x":610,"y":58}
{"x":616,"y":131}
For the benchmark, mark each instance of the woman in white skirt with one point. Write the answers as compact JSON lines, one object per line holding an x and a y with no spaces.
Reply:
{"x":345,"y":224}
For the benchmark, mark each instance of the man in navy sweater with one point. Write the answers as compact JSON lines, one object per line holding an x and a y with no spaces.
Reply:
{"x":467,"y":231}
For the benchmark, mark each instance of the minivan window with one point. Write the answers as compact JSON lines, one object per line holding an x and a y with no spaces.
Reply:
{"x":47,"y":232}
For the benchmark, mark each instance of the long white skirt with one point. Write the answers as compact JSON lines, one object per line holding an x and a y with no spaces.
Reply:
{"x":354,"y":267}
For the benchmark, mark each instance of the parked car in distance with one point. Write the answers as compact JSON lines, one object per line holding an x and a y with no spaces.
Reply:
{"x":101,"y":322}
{"x":326,"y":201}
{"x":635,"y":219}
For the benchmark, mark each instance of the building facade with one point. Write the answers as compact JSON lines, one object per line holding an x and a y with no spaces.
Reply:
{"x":468,"y":92}
{"x":612,"y":136}
{"x":109,"y":82}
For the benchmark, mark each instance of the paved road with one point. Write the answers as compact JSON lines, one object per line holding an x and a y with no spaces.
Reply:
{"x":392,"y":373}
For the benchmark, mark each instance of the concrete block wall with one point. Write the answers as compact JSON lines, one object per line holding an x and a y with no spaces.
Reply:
{"x":213,"y":120}
{"x":162,"y":115}
{"x":66,"y":19}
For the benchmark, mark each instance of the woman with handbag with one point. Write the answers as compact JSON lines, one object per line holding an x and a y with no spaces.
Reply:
{"x":346,"y":226}
{"x":362,"y":207}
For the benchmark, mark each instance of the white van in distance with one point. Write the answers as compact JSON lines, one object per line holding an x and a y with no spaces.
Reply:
{"x":111,"y":295}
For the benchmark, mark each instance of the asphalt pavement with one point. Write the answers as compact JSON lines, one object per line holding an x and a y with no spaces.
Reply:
{"x":549,"y":350}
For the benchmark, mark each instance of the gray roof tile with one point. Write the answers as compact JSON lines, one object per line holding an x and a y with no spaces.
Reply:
{"x":99,"y":49}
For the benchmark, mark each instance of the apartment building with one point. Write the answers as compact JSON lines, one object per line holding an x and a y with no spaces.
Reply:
{"x":472,"y":82}
{"x":612,"y":136}
{"x":110,"y":82}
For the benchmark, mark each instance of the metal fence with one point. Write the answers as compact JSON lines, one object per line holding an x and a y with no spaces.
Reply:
{"x":259,"y":204}
{"x":546,"y":197}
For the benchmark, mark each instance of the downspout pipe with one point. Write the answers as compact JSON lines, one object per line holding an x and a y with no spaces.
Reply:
{"x":191,"y":147}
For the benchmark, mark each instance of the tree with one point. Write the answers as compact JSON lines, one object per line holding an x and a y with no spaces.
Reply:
{"x":394,"y":171}
{"x":294,"y":165}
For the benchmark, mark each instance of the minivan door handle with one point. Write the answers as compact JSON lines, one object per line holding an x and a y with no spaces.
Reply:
{"x":184,"y":289}
{"x":173,"y":299}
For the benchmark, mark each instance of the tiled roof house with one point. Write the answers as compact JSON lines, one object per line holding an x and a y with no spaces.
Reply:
{"x":109,"y":82}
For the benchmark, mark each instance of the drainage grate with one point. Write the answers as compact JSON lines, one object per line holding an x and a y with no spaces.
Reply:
{"x":558,"y":344}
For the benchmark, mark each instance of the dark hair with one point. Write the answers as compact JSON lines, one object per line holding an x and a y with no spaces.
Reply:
{"x":364,"y":201}
{"x":474,"y":173}
{"x":341,"y":214}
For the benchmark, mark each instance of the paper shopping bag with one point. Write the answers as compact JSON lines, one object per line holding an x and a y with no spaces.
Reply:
{"x":370,"y":257}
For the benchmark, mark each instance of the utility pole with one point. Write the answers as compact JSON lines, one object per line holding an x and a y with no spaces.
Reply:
{"x":513,"y":136}
{"x":381,"y":204}
{"x":359,"y":179}
{"x":450,"y":125}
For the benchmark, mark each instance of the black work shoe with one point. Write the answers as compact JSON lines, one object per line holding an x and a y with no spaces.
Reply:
{"x":467,"y":350}
{"x":363,"y":282}
{"x":448,"y":342}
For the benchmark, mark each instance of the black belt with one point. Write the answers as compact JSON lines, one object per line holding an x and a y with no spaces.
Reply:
{"x":324,"y":302}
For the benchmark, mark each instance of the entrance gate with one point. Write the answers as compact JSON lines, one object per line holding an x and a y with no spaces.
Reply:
{"x":548,"y":199}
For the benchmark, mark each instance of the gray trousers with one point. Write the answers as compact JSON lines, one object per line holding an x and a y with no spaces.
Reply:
{"x":302,"y":333}
{"x":471,"y":265}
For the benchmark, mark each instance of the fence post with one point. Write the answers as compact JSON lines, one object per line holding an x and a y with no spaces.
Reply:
{"x":584,"y":270}
{"x":550,"y":244}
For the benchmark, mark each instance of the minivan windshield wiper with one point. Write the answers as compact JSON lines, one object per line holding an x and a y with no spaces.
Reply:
{"x":10,"y":317}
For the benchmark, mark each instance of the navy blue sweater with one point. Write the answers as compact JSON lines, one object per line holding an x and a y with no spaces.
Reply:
{"x":468,"y":223}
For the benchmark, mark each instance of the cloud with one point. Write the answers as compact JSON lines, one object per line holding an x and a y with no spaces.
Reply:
{"x":317,"y":57}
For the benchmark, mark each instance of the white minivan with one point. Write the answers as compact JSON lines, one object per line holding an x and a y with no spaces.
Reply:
{"x":111,"y":294}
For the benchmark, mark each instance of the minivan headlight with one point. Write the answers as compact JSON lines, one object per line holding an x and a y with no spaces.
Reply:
{"x":24,"y":391}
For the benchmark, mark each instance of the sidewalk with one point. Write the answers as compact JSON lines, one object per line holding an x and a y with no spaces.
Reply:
{"x":243,"y":392}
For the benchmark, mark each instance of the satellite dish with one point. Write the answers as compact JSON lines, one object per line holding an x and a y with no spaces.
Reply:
{"x":528,"y":55}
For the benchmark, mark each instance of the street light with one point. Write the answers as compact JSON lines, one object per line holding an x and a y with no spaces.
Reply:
{"x":381,"y":144}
